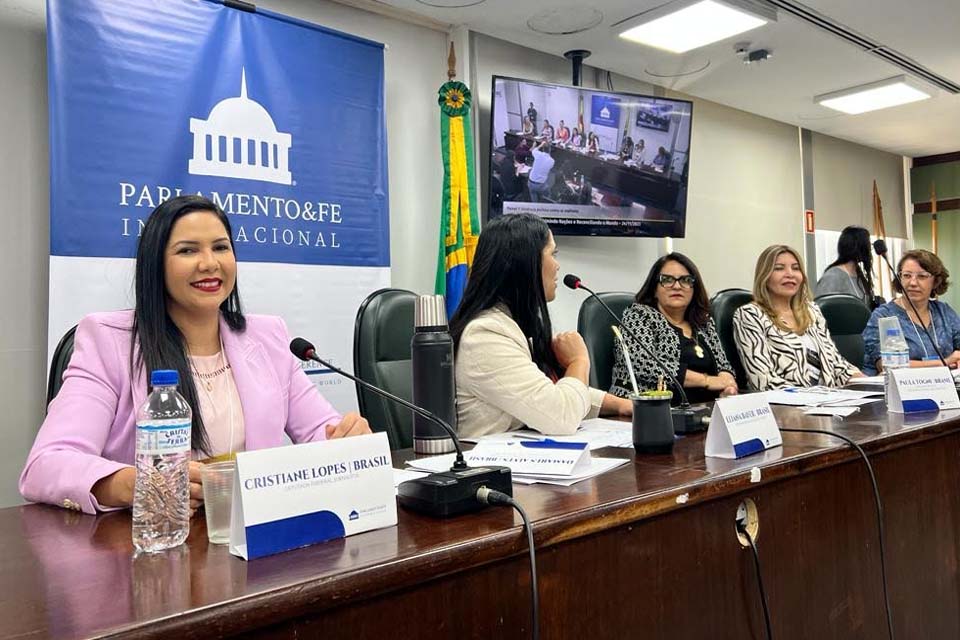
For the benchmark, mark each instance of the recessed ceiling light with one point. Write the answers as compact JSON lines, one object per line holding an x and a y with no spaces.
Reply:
{"x":564,"y":21}
{"x":876,"y":95}
{"x":683,"y":25}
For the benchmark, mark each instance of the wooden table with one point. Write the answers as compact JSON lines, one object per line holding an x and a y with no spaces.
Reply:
{"x":645,"y":551}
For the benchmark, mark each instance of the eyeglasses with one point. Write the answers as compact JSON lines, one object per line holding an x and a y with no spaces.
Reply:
{"x":919,"y":277}
{"x":667,"y":281}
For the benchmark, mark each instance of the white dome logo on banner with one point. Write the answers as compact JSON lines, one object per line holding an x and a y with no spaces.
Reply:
{"x":239,"y":140}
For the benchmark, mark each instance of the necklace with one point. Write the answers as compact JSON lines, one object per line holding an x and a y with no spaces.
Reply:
{"x":207,"y":379}
{"x":697,"y":349}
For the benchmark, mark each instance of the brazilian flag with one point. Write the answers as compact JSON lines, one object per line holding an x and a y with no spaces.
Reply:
{"x":459,"y":220}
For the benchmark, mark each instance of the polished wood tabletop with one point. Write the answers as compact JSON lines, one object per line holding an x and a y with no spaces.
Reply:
{"x":67,"y":575}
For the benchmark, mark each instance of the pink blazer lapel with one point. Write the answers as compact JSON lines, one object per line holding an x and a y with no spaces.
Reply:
{"x":264,"y":408}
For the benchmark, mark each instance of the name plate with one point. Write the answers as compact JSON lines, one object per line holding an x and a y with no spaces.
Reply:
{"x":543,"y":458}
{"x":917,"y":390}
{"x":741,"y":426}
{"x":295,"y":496}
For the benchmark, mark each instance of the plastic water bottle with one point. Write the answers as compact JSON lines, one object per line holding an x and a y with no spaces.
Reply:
{"x":161,"y":498}
{"x":894,"y":353}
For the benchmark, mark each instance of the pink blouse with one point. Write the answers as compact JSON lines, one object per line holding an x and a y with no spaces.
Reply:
{"x":219,"y":404}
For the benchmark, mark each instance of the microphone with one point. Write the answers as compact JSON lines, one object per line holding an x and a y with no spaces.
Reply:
{"x":441,"y":494}
{"x":880,"y":248}
{"x":686,"y":419}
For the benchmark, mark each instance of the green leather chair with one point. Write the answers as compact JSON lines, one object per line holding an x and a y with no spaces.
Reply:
{"x":722,"y":306}
{"x":846,"y":318}
{"x":381,"y":356}
{"x":59,"y":362}
{"x":593,"y":323}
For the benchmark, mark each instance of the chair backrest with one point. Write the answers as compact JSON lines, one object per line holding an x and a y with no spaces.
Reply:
{"x":846,"y":317}
{"x":722,"y":306}
{"x":59,"y":362}
{"x":593,"y":323}
{"x":381,"y":356}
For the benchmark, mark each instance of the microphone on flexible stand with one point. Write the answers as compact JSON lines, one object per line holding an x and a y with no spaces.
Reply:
{"x":880,"y":248}
{"x":443,"y":494}
{"x":686,"y":419}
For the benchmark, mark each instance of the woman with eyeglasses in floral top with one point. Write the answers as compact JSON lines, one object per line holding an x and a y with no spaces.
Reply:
{"x":671,"y":317}
{"x":924,"y":278}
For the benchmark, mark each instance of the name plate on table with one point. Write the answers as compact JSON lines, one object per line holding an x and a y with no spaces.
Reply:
{"x":917,"y":390}
{"x":545,"y":458}
{"x":741,"y":426}
{"x":295,"y":496}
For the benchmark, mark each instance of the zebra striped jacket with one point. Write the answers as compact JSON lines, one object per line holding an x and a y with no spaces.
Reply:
{"x":773,"y":358}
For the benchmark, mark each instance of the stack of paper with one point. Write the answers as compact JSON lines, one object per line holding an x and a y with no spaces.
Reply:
{"x":821,"y":396}
{"x":596,"y":432}
{"x":546,"y":461}
{"x":824,"y":401}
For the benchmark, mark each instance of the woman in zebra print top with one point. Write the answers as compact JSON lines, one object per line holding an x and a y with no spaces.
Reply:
{"x":781,"y":336}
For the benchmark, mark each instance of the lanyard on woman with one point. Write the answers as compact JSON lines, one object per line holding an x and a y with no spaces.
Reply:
{"x":936,"y":341}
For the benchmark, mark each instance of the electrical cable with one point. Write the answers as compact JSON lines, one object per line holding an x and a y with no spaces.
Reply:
{"x":880,"y":530}
{"x":763,"y":593}
{"x":490,"y":496}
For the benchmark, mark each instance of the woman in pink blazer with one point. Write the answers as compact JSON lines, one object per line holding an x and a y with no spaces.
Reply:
{"x":245,"y":387}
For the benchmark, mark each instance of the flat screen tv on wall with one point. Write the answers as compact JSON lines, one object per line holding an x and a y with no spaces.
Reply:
{"x":589,"y":162}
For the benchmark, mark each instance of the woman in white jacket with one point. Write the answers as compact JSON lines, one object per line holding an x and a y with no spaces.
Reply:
{"x":511,"y":371}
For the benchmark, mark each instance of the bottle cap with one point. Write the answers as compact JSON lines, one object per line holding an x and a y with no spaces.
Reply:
{"x":429,"y":311}
{"x":164,"y":377}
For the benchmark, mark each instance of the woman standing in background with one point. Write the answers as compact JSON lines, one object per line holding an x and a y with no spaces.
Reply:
{"x":852,"y":272}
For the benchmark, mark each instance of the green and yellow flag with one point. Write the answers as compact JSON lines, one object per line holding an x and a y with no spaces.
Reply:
{"x":459,"y":219}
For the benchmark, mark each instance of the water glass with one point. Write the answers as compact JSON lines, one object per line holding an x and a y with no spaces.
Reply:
{"x":218,"y":499}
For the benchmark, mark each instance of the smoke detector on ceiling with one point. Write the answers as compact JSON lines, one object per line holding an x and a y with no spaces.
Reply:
{"x":748,"y":55}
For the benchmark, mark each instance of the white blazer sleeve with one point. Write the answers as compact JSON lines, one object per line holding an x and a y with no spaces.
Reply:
{"x":498,"y":369}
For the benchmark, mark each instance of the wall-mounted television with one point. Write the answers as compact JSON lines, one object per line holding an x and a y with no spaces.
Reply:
{"x":589,"y":162}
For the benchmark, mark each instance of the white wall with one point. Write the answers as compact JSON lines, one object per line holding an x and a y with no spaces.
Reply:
{"x":843,"y":175}
{"x":24,"y":246}
{"x":745,"y":193}
{"x":415,"y":67}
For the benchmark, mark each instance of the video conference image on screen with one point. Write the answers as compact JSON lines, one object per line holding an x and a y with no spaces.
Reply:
{"x":589,"y":162}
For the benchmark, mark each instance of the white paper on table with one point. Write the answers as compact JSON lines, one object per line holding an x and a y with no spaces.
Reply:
{"x":402,"y":475}
{"x":832,"y":410}
{"x":853,"y":402}
{"x":596,"y":432}
{"x":598,"y":466}
{"x":814,"y":396}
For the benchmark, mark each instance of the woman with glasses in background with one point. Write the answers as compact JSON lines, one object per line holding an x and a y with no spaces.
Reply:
{"x":671,"y":317}
{"x":924,"y":278}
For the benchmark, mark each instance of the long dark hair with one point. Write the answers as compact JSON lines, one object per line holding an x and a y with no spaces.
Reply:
{"x":507,"y":270}
{"x":854,"y":246}
{"x":162,"y":345}
{"x":698,"y":311}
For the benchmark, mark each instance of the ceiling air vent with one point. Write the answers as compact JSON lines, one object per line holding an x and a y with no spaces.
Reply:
{"x":864,"y":43}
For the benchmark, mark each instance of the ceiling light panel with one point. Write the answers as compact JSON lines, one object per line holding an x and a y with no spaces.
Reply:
{"x":887,"y":93}
{"x":685,"y":25}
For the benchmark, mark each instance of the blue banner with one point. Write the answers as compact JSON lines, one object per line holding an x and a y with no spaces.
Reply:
{"x":278,"y":121}
{"x":605,"y":111}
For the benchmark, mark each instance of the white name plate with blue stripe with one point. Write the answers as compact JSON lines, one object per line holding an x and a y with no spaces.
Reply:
{"x":741,"y":426}
{"x":295,"y":496}
{"x":918,"y":390}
